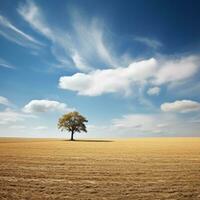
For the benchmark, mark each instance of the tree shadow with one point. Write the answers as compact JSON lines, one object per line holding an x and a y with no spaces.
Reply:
{"x":92,"y":140}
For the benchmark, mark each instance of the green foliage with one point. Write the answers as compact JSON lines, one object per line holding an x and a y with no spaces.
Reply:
{"x":72,"y":122}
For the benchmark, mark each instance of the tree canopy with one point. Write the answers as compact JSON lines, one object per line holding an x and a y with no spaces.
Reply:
{"x":72,"y":122}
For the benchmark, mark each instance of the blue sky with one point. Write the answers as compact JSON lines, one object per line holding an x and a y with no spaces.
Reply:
{"x":131,"y":67}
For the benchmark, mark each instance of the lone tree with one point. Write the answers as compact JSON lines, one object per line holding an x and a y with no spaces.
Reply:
{"x":72,"y":122}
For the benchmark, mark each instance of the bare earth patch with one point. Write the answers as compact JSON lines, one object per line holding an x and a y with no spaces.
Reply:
{"x":153,"y":168}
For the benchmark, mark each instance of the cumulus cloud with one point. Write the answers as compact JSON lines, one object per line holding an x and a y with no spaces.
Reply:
{"x":109,"y":80}
{"x":4,"y":101}
{"x":40,"y":106}
{"x":152,"y":71}
{"x":182,"y":106}
{"x":153,"y":91}
{"x":177,"y":69}
{"x":14,"y":34}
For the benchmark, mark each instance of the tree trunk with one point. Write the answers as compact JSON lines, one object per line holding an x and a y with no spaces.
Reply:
{"x":72,"y":135}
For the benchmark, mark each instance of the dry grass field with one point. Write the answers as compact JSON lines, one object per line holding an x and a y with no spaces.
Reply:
{"x":153,"y":168}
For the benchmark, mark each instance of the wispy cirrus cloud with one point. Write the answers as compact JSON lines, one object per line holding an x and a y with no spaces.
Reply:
{"x":84,"y":46}
{"x":6,"y":64}
{"x":61,"y":45}
{"x":14,"y":34}
{"x":92,"y":41}
{"x":33,"y":15}
{"x":152,"y":43}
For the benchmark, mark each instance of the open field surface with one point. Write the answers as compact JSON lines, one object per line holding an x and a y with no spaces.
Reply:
{"x":153,"y":168}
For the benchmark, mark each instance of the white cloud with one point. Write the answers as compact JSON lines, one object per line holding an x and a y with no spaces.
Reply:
{"x":109,"y":80}
{"x":4,"y":101}
{"x":83,"y":47}
{"x":138,"y":73}
{"x":182,"y":106}
{"x":10,"y":116}
{"x":149,"y":42}
{"x":40,"y":106}
{"x":12,"y":33}
{"x":4,"y":63}
{"x":150,"y":124}
{"x":79,"y":61}
{"x":32,"y":14}
{"x":153,"y":91}
{"x":62,"y":47}
{"x":87,"y":47}
{"x":177,"y":69}
{"x":97,"y":36}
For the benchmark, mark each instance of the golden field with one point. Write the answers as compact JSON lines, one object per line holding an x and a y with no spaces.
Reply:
{"x":151,"y":168}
